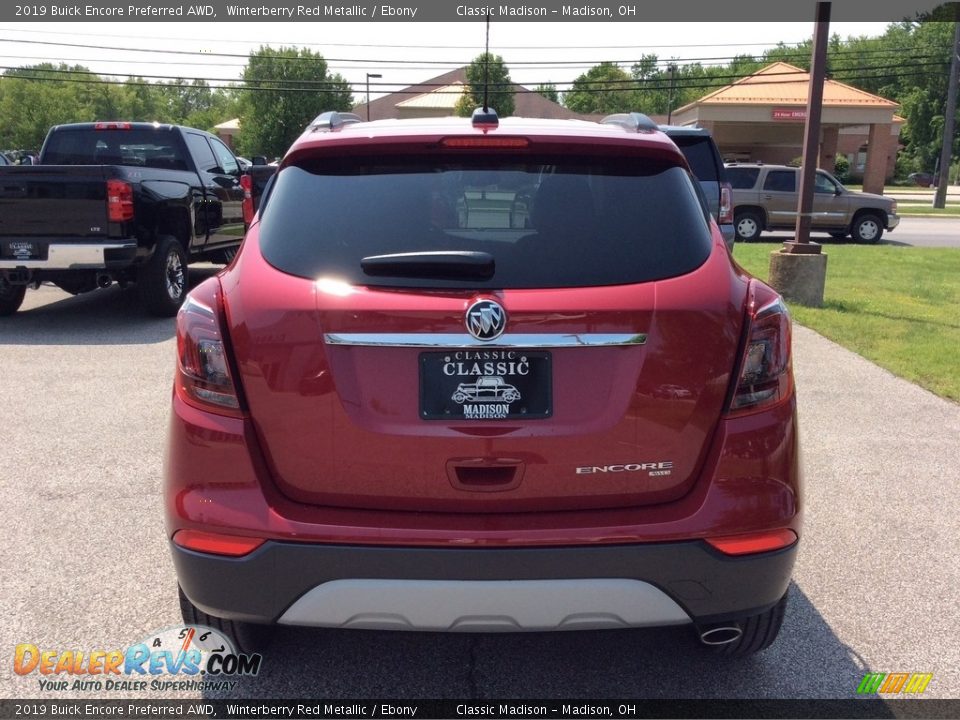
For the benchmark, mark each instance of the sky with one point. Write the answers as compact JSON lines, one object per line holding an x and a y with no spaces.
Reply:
{"x":403,"y":53}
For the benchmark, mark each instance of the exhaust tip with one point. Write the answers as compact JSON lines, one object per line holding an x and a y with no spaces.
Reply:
{"x":104,"y":281}
{"x":721,"y":635}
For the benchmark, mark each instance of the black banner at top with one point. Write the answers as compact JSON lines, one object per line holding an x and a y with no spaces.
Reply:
{"x":313,"y":11}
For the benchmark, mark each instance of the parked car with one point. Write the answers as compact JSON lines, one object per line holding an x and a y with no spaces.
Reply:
{"x":698,"y":146}
{"x":923,"y":179}
{"x":765,"y":197}
{"x":321,"y":470}
{"x":118,"y":201}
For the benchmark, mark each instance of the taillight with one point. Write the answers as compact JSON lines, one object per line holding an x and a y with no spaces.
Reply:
{"x":726,"y":204}
{"x":765,"y":376}
{"x":119,"y":201}
{"x":111,"y":126}
{"x":203,"y":368}
{"x":246,"y":182}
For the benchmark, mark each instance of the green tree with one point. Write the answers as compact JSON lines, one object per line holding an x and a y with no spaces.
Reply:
{"x":487,"y":70}
{"x":549,"y":91}
{"x":286,"y":88}
{"x":604,"y":88}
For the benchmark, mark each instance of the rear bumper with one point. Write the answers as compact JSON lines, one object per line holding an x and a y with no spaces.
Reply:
{"x":484,"y":588}
{"x":75,"y":256}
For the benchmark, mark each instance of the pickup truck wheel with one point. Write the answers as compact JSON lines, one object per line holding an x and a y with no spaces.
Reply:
{"x":748,"y":226}
{"x":11,"y":297}
{"x":247,"y":637}
{"x":162,"y":281}
{"x":867,"y":229}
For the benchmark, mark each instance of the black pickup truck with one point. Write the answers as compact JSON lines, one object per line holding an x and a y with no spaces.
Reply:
{"x":118,"y":202}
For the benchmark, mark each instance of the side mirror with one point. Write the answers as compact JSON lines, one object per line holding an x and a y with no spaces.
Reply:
{"x":259,"y":160}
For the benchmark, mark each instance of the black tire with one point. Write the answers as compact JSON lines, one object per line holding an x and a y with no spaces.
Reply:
{"x":867,"y":229}
{"x":162,"y":281}
{"x":758,"y":632}
{"x":247,"y":637}
{"x":11,"y":297}
{"x":748,"y":225}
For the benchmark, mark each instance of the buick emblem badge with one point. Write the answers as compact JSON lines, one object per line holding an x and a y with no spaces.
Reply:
{"x":486,"y":320}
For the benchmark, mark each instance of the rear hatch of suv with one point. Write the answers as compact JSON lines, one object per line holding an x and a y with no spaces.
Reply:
{"x":355,"y":309}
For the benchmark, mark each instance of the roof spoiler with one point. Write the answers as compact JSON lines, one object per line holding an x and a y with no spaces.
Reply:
{"x":333,"y":120}
{"x":633,"y":122}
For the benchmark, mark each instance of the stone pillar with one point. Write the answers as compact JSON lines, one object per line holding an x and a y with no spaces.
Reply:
{"x":875,"y":172}
{"x":828,"y":148}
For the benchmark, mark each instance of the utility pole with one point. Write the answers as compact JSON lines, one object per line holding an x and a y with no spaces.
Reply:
{"x":673,"y":70}
{"x":949,"y":117}
{"x":811,"y":133}
{"x":799,"y":270}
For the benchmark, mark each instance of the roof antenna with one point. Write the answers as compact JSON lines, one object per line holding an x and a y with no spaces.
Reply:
{"x":486,"y":67}
{"x":485,"y":117}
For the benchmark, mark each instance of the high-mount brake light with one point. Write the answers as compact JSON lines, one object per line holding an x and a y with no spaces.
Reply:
{"x":765,"y":377}
{"x":111,"y":126}
{"x":746,"y":544}
{"x":203,"y":369}
{"x":119,"y":201}
{"x":246,"y":183}
{"x":485,"y":142}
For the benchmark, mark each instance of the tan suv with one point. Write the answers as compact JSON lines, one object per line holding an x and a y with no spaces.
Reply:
{"x":765,"y":198}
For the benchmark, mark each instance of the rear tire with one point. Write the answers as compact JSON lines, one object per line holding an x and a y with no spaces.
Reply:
{"x":867,"y":229}
{"x":11,"y":297}
{"x":748,"y":225}
{"x":247,"y":637}
{"x":162,"y":281}
{"x":759,"y":632}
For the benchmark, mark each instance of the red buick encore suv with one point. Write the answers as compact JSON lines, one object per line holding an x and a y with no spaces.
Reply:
{"x":482,"y":375}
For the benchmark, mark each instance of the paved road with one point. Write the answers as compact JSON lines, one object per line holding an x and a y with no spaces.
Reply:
{"x":86,"y":384}
{"x":914,"y":231}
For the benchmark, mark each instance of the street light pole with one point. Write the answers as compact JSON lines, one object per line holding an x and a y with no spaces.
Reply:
{"x":370,"y":75}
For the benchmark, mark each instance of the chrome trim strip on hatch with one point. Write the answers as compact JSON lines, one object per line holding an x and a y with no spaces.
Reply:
{"x":463,"y":340}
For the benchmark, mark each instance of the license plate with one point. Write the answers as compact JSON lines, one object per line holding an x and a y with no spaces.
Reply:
{"x":21,"y":250}
{"x":485,"y":385}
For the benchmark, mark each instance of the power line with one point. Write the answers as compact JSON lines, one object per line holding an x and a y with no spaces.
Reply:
{"x":427,"y":46}
{"x":705,"y":83}
{"x":533,"y":63}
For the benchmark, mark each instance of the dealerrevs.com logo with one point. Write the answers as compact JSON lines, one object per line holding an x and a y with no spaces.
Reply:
{"x":185,"y":657}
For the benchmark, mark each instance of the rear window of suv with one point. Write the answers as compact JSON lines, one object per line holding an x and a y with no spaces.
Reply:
{"x":699,"y":153}
{"x":742,"y":178}
{"x":546,"y":222}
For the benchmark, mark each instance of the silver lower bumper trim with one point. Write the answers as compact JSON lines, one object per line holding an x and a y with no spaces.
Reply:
{"x":485,"y":606}
{"x":81,"y":256}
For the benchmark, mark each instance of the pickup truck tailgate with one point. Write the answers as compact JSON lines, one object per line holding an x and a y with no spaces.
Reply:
{"x":56,"y":200}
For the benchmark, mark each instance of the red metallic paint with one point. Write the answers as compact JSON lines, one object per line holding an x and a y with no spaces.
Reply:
{"x":263,"y":475}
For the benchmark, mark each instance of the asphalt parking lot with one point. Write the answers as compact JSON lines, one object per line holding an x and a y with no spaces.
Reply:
{"x":86,"y":382}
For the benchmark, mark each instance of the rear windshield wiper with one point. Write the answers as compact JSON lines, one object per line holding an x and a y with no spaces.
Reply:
{"x":452,"y":264}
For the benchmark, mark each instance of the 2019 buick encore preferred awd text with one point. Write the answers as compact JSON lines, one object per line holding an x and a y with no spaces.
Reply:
{"x":484,"y":375}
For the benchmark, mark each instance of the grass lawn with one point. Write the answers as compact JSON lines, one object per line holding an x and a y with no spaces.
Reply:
{"x":949,"y":210}
{"x":896,"y":306}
